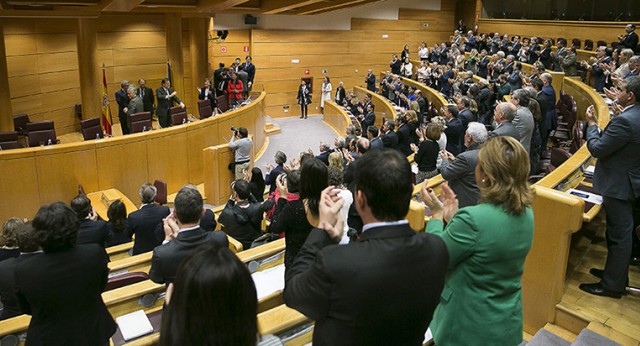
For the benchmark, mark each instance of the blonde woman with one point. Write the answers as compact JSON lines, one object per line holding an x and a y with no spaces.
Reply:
{"x":335,"y":160}
{"x":488,"y":244}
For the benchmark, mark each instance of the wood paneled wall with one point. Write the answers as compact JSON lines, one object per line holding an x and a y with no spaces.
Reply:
{"x":346,"y":55}
{"x":42,"y":65}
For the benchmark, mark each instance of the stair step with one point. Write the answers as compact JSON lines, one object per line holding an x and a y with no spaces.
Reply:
{"x":591,"y":338}
{"x":612,"y":334}
{"x":552,"y":335}
{"x":561,"y":332}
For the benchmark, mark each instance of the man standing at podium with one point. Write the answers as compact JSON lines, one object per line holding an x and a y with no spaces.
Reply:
{"x":617,"y":179}
{"x":166,"y":98}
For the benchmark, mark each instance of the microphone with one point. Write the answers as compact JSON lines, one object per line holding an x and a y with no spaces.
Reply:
{"x":582,"y":16}
{"x":617,"y":19}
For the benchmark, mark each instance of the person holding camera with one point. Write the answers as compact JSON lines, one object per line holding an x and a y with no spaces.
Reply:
{"x":241,"y":144}
{"x":242,"y":216}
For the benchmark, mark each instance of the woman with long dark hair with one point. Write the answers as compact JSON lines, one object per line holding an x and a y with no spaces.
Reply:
{"x":257,"y":184}
{"x":117,"y":214}
{"x":212,"y":302}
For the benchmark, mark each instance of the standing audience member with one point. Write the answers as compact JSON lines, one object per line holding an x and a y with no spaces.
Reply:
{"x":393,"y":298}
{"x":630,"y":38}
{"x":459,"y":171}
{"x":213,"y":302}
{"x":207,"y":93}
{"x":552,"y":116}
{"x":427,"y":153}
{"x":146,"y":94}
{"x":326,"y":92}
{"x":183,"y":235}
{"x":242,"y":216}
{"x":523,"y":120}
{"x":370,"y":79}
{"x":123,"y":101}
{"x":454,"y":130}
{"x":617,"y":179}
{"x":241,"y":144}
{"x":341,"y":94}
{"x":62,"y":288}
{"x":117,"y":214}
{"x":166,"y":98}
{"x":404,"y":135}
{"x":248,"y":67}
{"x":273,"y":173}
{"x":29,"y":246}
{"x":304,"y":99}
{"x":503,"y":116}
{"x":91,"y":229}
{"x":488,"y":245}
{"x":296,"y":218}
{"x":8,"y":244}
{"x":143,"y":222}
{"x":389,"y":137}
{"x":372,"y":135}
{"x":234,"y":90}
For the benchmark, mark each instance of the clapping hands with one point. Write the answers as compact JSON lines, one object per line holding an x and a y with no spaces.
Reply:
{"x":443,"y":208}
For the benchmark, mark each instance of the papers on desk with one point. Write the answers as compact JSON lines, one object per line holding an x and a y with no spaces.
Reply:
{"x":588,"y":171}
{"x":427,"y":336}
{"x":587,"y":196}
{"x":134,"y":325}
{"x":269,"y":281}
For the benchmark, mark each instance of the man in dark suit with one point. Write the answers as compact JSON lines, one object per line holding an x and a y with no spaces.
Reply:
{"x":389,"y":137}
{"x":142,"y":223}
{"x":504,"y":114}
{"x":250,"y":69}
{"x":146,"y":94}
{"x":395,"y":65}
{"x":325,"y":151}
{"x":29,"y":247}
{"x":598,"y":68}
{"x":559,"y":55}
{"x":91,"y":229}
{"x":370,"y":117}
{"x":370,"y":79}
{"x":374,"y":141}
{"x":123,"y":101}
{"x":166,"y":97}
{"x":459,"y":171}
{"x":446,"y":79}
{"x":404,"y":136}
{"x":483,"y":63}
{"x":394,"y":297}
{"x":219,"y":78}
{"x":617,"y":179}
{"x":423,"y":103}
{"x":61,"y":288}
{"x":630,"y":39}
{"x":183,"y":235}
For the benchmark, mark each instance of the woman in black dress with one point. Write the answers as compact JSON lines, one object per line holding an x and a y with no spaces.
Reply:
{"x":117,"y":214}
{"x":304,"y":99}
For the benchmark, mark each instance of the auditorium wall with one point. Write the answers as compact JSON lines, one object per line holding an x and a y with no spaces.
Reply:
{"x":42,"y":63}
{"x":282,"y":56}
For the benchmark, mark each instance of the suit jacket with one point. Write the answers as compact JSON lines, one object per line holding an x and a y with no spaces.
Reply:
{"x":304,"y":96}
{"x":515,"y":81}
{"x":146,"y":94}
{"x":143,"y":223}
{"x":250,"y":69}
{"x":630,"y":41}
{"x":404,"y":139}
{"x":461,"y":176}
{"x":376,"y":143}
{"x":369,"y":120}
{"x":545,"y":58}
{"x":390,"y":140}
{"x":454,"y":133}
{"x":505,"y":129}
{"x":123,"y":101}
{"x":164,"y":104}
{"x":379,"y":290}
{"x":552,"y":117}
{"x":211,"y":96}
{"x":167,"y":257}
{"x":487,"y":250}
{"x":371,"y":82}
{"x":62,"y":291}
{"x":10,"y":306}
{"x":617,"y":172}
{"x":569,"y":64}
{"x":324,"y":157}
{"x":598,"y":74}
{"x":557,"y":59}
{"x":135,"y":106}
{"x":542,"y":101}
{"x":96,"y":232}
{"x":524,"y":123}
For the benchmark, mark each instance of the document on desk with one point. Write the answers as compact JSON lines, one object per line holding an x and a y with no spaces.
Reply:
{"x":428,"y":336}
{"x":134,"y":325}
{"x":587,"y":196}
{"x":269,"y":281}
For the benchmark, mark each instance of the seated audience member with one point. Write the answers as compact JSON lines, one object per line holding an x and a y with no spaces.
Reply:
{"x":426,"y":155}
{"x":393,"y":298}
{"x":488,"y":244}
{"x":8,"y":245}
{"x":183,"y":235}
{"x":28,"y":246}
{"x":454,"y":130}
{"x":117,"y":214}
{"x":91,"y":230}
{"x":143,"y":222}
{"x":459,"y":171}
{"x":61,"y":288}
{"x":242,"y":216}
{"x":213,"y":302}
{"x":503,"y":115}
{"x":207,"y":222}
{"x":296,"y":218}
{"x":388,"y":136}
{"x":257,"y":184}
{"x":325,"y":151}
{"x":273,"y":172}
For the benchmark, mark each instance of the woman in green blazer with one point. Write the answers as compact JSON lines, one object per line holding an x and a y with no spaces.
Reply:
{"x":481,"y":303}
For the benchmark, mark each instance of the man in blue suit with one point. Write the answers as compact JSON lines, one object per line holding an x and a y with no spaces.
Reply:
{"x":123,"y":101}
{"x":597,"y":68}
{"x":617,"y":179}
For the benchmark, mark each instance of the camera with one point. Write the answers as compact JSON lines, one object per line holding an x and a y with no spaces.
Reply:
{"x":234,"y":129}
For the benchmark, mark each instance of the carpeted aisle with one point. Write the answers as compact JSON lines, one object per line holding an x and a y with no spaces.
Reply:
{"x":296,"y":135}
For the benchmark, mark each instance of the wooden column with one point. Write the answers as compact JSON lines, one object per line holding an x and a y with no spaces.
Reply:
{"x":173,"y":35}
{"x":198,"y":46}
{"x":6,"y":111}
{"x":88,"y":71}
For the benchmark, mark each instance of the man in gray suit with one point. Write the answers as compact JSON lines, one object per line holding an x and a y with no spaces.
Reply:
{"x":459,"y":171}
{"x":135,"y":103}
{"x":617,"y":179}
{"x":166,"y":97}
{"x":504,"y":114}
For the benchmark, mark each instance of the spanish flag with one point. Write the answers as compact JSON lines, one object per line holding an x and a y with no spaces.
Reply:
{"x":106,"y":112}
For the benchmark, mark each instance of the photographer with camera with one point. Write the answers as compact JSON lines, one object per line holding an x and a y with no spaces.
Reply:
{"x":241,"y":144}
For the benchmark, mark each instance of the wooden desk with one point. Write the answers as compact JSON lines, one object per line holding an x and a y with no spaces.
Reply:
{"x":101,"y":200}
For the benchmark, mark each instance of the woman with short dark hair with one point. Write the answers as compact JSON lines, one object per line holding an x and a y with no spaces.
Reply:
{"x":488,"y":244}
{"x":62,"y":287}
{"x":212,"y":302}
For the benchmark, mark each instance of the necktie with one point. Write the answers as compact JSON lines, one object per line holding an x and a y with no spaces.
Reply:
{"x":142,"y":93}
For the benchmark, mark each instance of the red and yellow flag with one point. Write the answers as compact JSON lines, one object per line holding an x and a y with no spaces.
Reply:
{"x":106,"y":112}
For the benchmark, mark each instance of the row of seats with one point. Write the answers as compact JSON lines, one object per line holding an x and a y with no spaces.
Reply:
{"x":576,"y":42}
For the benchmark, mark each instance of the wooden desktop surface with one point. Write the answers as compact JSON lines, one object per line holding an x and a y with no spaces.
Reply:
{"x":100,"y":201}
